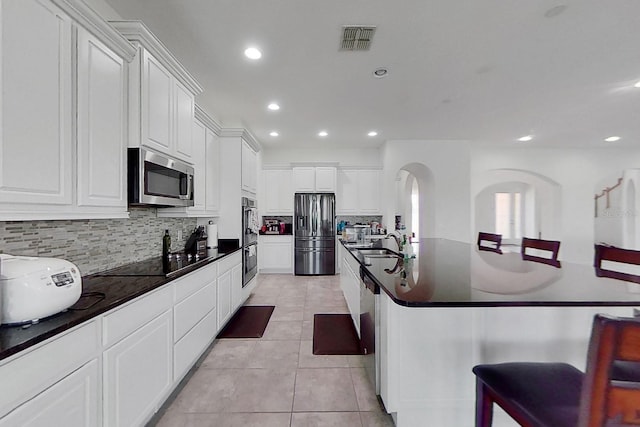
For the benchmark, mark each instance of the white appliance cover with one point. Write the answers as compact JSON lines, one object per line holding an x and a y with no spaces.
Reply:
{"x":32,"y":288}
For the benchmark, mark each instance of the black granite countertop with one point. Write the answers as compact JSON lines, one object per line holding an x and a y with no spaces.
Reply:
{"x":101,"y":292}
{"x":456,"y":274}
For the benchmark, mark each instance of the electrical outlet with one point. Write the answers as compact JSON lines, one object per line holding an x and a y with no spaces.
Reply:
{"x":179,"y":235}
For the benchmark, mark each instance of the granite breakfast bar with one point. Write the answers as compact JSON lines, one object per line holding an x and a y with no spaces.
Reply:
{"x":453,"y":307}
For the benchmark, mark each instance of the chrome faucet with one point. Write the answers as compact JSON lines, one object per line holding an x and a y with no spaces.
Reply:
{"x":396,"y":238}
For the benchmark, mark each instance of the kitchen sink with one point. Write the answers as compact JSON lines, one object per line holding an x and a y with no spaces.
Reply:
{"x":378,"y":253}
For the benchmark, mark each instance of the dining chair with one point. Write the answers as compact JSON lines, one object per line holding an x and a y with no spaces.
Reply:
{"x":560,"y":395}
{"x":542,"y":249}
{"x":619,"y":255}
{"x":489,"y":242}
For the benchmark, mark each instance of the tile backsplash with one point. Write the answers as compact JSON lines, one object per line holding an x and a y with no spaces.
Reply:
{"x":98,"y":244}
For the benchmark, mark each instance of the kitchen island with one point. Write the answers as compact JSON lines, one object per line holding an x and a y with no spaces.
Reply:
{"x":453,"y":307}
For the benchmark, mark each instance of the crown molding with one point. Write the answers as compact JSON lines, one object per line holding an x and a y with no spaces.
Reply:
{"x":88,"y":18}
{"x":206,"y":119}
{"x":244,"y":134}
{"x":138,"y":32}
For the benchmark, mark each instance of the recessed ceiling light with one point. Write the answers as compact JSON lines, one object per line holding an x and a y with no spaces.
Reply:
{"x":273,"y":106}
{"x":525,"y":138}
{"x":612,"y":139}
{"x":373,"y":133}
{"x":274,"y":133}
{"x":323,"y":133}
{"x":637,"y":84}
{"x":252,"y":53}
{"x":380,"y":72}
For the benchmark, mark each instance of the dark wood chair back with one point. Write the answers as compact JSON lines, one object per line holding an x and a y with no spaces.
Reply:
{"x":489,"y":242}
{"x":550,"y":246}
{"x":611,"y":387}
{"x":611,"y":253}
{"x":559,"y":395}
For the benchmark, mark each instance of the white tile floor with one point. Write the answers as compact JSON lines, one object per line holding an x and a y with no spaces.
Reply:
{"x":276,"y":381}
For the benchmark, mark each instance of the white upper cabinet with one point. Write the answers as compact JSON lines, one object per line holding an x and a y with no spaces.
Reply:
{"x":161,"y":95}
{"x":36,"y":124}
{"x":156,"y":89}
{"x":43,"y":148}
{"x":358,"y":192}
{"x":206,"y":161}
{"x":212,"y":200}
{"x":249,"y":169}
{"x":101,"y":125}
{"x":309,"y":179}
{"x":278,"y":192}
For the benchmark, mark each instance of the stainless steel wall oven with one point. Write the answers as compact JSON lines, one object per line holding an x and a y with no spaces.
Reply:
{"x":249,"y":240}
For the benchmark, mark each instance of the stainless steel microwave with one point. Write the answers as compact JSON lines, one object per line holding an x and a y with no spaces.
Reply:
{"x":157,"y":179}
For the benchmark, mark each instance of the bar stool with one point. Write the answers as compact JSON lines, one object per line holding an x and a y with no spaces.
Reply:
{"x":559,"y":395}
{"x":489,"y":242}
{"x":550,"y":248}
{"x":611,"y":253}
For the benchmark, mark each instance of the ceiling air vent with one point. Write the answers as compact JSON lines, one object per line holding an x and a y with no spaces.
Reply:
{"x":357,"y":37}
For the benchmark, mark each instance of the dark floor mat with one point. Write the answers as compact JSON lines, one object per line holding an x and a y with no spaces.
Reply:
{"x":250,"y":321}
{"x":335,"y":334}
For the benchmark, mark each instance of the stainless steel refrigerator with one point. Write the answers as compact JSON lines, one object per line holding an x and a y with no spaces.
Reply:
{"x":315,"y":233}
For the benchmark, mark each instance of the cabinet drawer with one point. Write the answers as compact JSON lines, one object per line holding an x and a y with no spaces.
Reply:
{"x":190,"y":347}
{"x":72,"y":402}
{"x":228,"y":262}
{"x":126,"y":320}
{"x":192,"y":282}
{"x":193,"y":309}
{"x":28,"y":375}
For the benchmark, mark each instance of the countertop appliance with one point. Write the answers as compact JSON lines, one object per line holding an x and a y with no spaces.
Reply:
{"x":250,"y":230}
{"x":157,"y":179}
{"x":314,"y":235}
{"x":32,"y":288}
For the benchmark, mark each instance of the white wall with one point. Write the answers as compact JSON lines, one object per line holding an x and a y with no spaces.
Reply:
{"x":450,"y":202}
{"x":577,"y":171}
{"x":346,"y":158}
{"x":103,"y":9}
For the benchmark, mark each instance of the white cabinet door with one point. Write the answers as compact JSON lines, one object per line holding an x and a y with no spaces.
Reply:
{"x":326,"y":179}
{"x":368,"y":192}
{"x":249,"y":168}
{"x":285,"y":192}
{"x":200,"y":166}
{"x":304,"y":179}
{"x":157,"y":104}
{"x":213,"y":173}
{"x":278,"y":192}
{"x":224,"y":298}
{"x":183,"y":119}
{"x":236,"y":287}
{"x":72,"y":402}
{"x":347,"y":197}
{"x":276,"y":254}
{"x":36,"y":161}
{"x":101,"y":124}
{"x":138,"y":373}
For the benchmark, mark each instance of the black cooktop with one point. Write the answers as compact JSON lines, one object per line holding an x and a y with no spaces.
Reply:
{"x":159,"y":266}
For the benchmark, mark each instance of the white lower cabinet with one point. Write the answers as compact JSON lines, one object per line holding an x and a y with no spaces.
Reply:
{"x":236,"y":286}
{"x":187,"y":351}
{"x":118,"y":369}
{"x":137,"y":373}
{"x":350,"y":285}
{"x":275,"y":254}
{"x":71,"y":402}
{"x":224,"y":298}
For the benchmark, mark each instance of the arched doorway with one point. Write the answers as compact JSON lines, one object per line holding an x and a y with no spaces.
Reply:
{"x":414,"y":190}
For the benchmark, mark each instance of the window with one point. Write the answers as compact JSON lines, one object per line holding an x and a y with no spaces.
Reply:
{"x":508,"y":208}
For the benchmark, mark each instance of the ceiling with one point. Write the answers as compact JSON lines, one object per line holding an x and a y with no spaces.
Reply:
{"x":486,"y":71}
